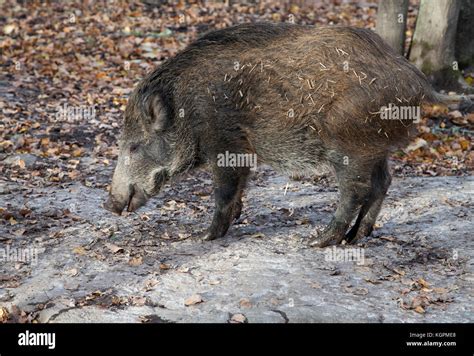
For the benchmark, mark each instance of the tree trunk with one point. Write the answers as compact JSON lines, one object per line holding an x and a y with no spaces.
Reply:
{"x":391,"y":23}
{"x":465,"y":34}
{"x":433,"y":41}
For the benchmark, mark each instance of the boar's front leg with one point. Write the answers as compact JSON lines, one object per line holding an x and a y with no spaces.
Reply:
{"x":228,"y":187}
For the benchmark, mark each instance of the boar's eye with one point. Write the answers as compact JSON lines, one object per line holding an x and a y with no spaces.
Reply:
{"x":134,"y":147}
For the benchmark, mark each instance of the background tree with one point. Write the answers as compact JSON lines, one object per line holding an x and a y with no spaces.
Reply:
{"x":391,"y":22}
{"x":432,"y":49}
{"x":464,"y":50}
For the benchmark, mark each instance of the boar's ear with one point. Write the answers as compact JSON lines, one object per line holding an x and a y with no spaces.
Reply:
{"x":156,"y":113}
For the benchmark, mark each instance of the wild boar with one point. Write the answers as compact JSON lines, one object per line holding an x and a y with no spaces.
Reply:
{"x":294,"y":96}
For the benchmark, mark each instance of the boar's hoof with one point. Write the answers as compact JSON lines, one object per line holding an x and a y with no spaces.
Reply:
{"x":363,"y":231}
{"x":326,"y":238}
{"x":208,"y":235}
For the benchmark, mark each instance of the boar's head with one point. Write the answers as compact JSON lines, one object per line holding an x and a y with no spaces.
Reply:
{"x":147,"y":153}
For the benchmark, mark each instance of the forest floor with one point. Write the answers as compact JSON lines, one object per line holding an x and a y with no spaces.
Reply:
{"x":84,"y":264}
{"x":87,"y":265}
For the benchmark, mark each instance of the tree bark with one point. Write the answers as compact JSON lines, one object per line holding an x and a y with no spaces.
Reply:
{"x":465,"y":34}
{"x":433,"y":41}
{"x":391,"y":23}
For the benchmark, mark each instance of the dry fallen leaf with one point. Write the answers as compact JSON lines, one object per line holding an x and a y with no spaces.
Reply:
{"x":7,"y":29}
{"x":113,"y":248}
{"x":194,"y":299}
{"x":19,"y":232}
{"x":164,"y":266}
{"x":3,"y":314}
{"x":183,"y":269}
{"x":150,"y":284}
{"x":138,"y":301}
{"x":77,"y":152}
{"x":419,"y":309}
{"x":423,"y":283}
{"x":72,"y":272}
{"x":135,"y":261}
{"x":238,"y":319}
{"x":245,"y":303}
{"x":79,"y":250}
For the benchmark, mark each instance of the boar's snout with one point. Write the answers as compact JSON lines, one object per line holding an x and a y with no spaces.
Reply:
{"x":114,"y":206}
{"x":136,"y":198}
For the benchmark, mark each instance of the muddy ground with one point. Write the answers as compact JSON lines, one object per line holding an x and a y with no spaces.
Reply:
{"x":82,"y":264}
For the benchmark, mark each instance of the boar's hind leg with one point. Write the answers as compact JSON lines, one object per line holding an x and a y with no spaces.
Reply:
{"x":229,"y":184}
{"x":354,"y":182}
{"x":363,"y":226}
{"x":238,"y":205}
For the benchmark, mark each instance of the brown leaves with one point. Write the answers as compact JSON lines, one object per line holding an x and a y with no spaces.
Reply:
{"x":424,"y":296}
{"x":444,"y":143}
{"x":95,"y":62}
{"x":17,"y":316}
{"x":418,"y":304}
{"x":107,"y":299}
